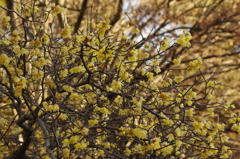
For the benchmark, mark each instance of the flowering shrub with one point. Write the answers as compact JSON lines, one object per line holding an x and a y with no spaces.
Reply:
{"x":90,"y":95}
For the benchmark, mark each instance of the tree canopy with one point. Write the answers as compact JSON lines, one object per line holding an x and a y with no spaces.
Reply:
{"x":119,"y":79}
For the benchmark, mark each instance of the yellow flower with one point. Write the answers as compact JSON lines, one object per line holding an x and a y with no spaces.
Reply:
{"x":149,"y":75}
{"x":45,"y":39}
{"x":176,"y":61}
{"x":50,"y":83}
{"x":127,"y":152}
{"x":80,"y":146}
{"x":36,"y":43}
{"x":157,"y":70}
{"x":178,"y":132}
{"x":84,"y":131}
{"x":211,"y":84}
{"x":167,"y":150}
{"x":101,"y":153}
{"x":196,"y":64}
{"x":178,"y":143}
{"x":165,"y":44}
{"x":6,"y":19}
{"x":105,"y":111}
{"x":135,"y":30}
{"x":170,"y":137}
{"x":189,"y":103}
{"x":66,"y":142}
{"x":178,"y":79}
{"x":66,"y":153}
{"x":62,"y":116}
{"x":68,"y":88}
{"x":92,"y":122}
{"x":209,"y":139}
{"x":66,"y":32}
{"x":74,"y":139}
{"x":4,"y":59}
{"x":57,"y":10}
{"x":46,"y":157}
{"x":140,"y":133}
{"x":163,"y":95}
{"x":55,"y":107}
{"x":116,"y":85}
{"x":184,"y":39}
{"x":209,"y":96}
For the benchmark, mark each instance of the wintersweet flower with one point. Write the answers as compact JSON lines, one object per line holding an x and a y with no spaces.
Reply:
{"x":84,"y":131}
{"x":4,"y":59}
{"x":74,"y":139}
{"x":127,"y":152}
{"x":178,"y":79}
{"x":195,"y":64}
{"x":80,"y":146}
{"x":140,"y":133}
{"x":66,"y":32}
{"x":211,"y":84}
{"x":92,"y":122}
{"x":66,"y":142}
{"x":165,"y":44}
{"x":184,"y":39}
{"x":57,"y":10}
{"x":66,"y":153}
{"x":6,"y":19}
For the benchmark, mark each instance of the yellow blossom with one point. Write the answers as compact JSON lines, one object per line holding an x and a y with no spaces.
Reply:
{"x":105,"y":110}
{"x":45,"y":39}
{"x":84,"y":131}
{"x":62,"y":116}
{"x":170,"y":137}
{"x":66,"y":152}
{"x":6,"y":19}
{"x":211,"y":84}
{"x":127,"y":152}
{"x":66,"y":32}
{"x":74,"y":139}
{"x":195,"y":64}
{"x":140,"y":133}
{"x":4,"y":59}
{"x":92,"y":122}
{"x":68,"y":88}
{"x":80,"y":146}
{"x":66,"y":142}
{"x":116,"y":85}
{"x":209,"y":96}
{"x":178,"y":79}
{"x":184,"y":39}
{"x":157,"y":70}
{"x":57,"y":10}
{"x":149,"y":75}
{"x":167,"y":150}
{"x":165,"y":44}
{"x":135,"y":30}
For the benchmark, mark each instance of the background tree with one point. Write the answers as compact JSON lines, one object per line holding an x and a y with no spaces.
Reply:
{"x":128,"y":87}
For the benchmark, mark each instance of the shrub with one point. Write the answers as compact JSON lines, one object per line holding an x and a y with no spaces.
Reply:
{"x":92,"y":95}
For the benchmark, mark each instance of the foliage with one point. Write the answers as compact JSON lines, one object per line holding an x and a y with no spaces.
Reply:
{"x":96,"y":94}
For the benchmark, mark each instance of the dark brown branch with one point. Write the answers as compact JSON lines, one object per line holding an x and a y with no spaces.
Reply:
{"x":80,"y":17}
{"x":117,"y":16}
{"x":9,"y":4}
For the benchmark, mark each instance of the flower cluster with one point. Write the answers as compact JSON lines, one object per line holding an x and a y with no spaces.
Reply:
{"x":184,"y":39}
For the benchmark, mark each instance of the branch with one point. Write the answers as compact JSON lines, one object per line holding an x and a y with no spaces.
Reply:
{"x":117,"y":16}
{"x":46,"y":137}
{"x":80,"y":17}
{"x":9,"y":4}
